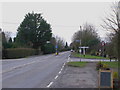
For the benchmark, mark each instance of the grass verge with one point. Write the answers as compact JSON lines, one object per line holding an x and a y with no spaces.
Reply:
{"x":76,"y":64}
{"x":111,"y":64}
{"x":88,"y":56}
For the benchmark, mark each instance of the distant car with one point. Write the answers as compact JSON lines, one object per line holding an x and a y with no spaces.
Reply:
{"x":71,"y":50}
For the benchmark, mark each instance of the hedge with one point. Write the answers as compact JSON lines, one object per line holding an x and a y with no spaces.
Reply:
{"x":18,"y":52}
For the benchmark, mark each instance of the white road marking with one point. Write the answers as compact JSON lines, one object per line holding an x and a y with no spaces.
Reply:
{"x":56,"y":77}
{"x":62,"y":66}
{"x":59,"y":72}
{"x":50,"y":84}
{"x":68,"y":59}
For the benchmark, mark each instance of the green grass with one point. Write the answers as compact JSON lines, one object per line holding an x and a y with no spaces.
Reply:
{"x":88,"y":56}
{"x":76,"y":64}
{"x":111,"y":64}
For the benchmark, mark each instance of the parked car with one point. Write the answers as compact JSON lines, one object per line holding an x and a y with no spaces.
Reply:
{"x":71,"y":50}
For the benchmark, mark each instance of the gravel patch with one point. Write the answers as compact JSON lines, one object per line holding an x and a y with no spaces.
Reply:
{"x":76,"y":77}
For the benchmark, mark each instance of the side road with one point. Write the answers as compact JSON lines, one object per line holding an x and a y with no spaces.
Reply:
{"x":76,"y":77}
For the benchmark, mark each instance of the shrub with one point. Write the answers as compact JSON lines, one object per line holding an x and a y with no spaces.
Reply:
{"x":18,"y":52}
{"x":93,"y":53}
{"x":115,"y":75}
{"x":99,"y":65}
{"x":105,"y":67}
{"x":48,"y":48}
{"x":64,"y":49}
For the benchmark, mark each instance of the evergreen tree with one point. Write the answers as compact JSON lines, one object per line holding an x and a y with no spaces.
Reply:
{"x":10,"y":40}
{"x":34,"y":31}
{"x":66,"y":46}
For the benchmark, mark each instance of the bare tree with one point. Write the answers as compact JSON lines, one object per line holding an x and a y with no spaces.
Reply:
{"x":87,"y":36}
{"x":8,"y":35}
{"x":60,"y":42}
{"x":112,"y":24}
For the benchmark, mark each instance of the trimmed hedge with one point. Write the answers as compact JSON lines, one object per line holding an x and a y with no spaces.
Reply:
{"x":18,"y":52}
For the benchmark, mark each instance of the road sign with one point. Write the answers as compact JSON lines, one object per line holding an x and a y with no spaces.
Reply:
{"x":83,"y":47}
{"x":80,"y":50}
{"x":105,"y":79}
{"x":48,"y":42}
{"x":103,"y":43}
{"x":77,"y":40}
{"x":56,"y":46}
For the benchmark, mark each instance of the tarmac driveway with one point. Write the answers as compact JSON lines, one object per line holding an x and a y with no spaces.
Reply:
{"x":76,"y":77}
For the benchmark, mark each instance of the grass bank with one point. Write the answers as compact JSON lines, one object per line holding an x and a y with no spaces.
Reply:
{"x":76,"y":64}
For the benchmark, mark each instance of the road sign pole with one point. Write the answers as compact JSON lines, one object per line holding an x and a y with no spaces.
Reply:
{"x":56,"y":47}
{"x":84,"y":52}
{"x":80,"y":54}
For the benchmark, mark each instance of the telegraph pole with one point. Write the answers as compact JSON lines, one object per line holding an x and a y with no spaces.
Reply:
{"x":80,"y":42}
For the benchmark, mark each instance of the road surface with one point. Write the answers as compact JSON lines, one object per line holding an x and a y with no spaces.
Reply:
{"x":32,"y":72}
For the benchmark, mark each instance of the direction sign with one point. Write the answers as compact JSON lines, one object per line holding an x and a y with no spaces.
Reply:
{"x":80,"y":50}
{"x":77,"y":40}
{"x":83,"y":47}
{"x":56,"y":46}
{"x":103,"y":43}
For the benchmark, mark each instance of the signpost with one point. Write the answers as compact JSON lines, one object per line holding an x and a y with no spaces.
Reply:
{"x":103,"y":48}
{"x":105,"y":79}
{"x":84,"y":47}
{"x":56,"y":47}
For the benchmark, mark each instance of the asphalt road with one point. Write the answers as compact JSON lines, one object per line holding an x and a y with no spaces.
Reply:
{"x":32,"y":72}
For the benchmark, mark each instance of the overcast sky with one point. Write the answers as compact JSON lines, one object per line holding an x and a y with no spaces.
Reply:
{"x":65,"y":17}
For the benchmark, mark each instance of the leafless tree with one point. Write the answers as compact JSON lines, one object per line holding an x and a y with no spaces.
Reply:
{"x":8,"y":35}
{"x":60,"y":42}
{"x":112,"y":24}
{"x":86,"y":36}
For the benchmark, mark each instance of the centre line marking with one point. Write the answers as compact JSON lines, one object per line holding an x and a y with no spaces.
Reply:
{"x":56,"y":77}
{"x":50,"y":84}
{"x":59,"y":72}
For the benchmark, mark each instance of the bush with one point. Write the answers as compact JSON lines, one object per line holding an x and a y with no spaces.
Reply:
{"x":115,"y":75}
{"x":105,"y":67}
{"x":48,"y":48}
{"x":93,"y":52}
{"x":102,"y":66}
{"x":99,"y":65}
{"x":18,"y":52}
{"x":65,"y":49}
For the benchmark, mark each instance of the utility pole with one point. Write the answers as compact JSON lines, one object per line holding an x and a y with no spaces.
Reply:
{"x":80,"y":42}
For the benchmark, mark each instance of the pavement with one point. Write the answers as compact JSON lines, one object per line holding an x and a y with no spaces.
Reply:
{"x":32,"y":72}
